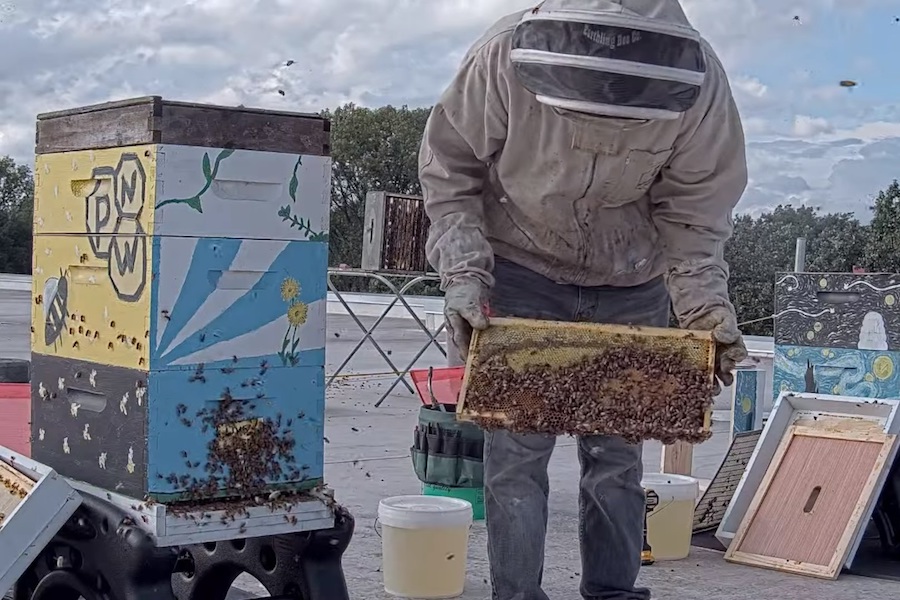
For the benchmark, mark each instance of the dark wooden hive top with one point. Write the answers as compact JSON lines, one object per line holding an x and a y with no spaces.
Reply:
{"x":152,"y":120}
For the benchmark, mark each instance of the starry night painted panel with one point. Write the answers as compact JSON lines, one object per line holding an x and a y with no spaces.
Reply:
{"x":838,"y":310}
{"x":837,"y":371}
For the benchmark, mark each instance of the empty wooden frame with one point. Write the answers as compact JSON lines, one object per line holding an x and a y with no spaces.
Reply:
{"x":815,"y":497}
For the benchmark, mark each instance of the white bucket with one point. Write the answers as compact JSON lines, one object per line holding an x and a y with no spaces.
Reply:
{"x":670,"y":525}
{"x":424,"y":545}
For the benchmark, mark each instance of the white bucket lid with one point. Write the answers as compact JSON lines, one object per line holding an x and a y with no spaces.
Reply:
{"x":672,"y":488}
{"x":424,"y":512}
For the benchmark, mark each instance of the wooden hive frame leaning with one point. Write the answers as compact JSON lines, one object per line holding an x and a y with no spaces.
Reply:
{"x":753,"y":547}
{"x":523,"y":343}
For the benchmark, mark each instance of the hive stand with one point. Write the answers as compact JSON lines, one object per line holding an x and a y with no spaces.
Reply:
{"x":102,"y":553}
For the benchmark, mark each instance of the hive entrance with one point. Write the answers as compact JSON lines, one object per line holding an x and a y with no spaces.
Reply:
{"x":583,"y":379}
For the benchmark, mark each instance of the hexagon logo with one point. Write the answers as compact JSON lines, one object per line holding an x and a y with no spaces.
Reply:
{"x":130,"y":185}
{"x":128,"y":259}
{"x":100,"y":211}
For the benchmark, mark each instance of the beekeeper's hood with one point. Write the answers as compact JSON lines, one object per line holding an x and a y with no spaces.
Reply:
{"x":638,"y":59}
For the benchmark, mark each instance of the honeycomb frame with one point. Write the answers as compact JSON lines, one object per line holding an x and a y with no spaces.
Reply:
{"x":533,"y":341}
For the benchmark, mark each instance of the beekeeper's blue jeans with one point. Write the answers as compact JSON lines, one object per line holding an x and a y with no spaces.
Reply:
{"x":611,"y":500}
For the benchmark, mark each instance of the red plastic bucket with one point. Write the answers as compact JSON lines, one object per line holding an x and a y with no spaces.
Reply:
{"x":446,"y":384}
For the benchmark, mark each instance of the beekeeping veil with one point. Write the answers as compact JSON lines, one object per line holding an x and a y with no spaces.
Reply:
{"x":638,"y":59}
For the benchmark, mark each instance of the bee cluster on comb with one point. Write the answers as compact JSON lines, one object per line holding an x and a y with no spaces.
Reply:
{"x":638,"y":389}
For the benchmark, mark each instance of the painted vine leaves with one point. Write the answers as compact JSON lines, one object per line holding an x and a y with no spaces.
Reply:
{"x":304,"y":226}
{"x":295,"y":183}
{"x":295,"y":222}
{"x":211,"y":169}
{"x":209,"y":173}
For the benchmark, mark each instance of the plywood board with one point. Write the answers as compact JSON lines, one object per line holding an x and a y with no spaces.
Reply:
{"x":712,"y":506}
{"x":788,"y":410}
{"x":811,"y":505}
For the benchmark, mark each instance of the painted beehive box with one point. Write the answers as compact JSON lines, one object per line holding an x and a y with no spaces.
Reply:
{"x":838,"y":333}
{"x":178,"y":319}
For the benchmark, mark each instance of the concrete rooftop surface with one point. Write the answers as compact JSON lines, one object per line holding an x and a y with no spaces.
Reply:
{"x":367,"y":459}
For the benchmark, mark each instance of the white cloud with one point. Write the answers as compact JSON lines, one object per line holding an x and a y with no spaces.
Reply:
{"x":806,"y":127}
{"x":809,"y":139}
{"x":750,"y":86}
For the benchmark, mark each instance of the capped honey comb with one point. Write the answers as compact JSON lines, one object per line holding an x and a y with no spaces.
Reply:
{"x":558,"y":378}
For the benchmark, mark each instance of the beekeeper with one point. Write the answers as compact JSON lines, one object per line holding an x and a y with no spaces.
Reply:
{"x":582,"y":165}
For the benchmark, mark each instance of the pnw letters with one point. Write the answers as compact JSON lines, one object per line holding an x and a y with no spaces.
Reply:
{"x":113,"y":211}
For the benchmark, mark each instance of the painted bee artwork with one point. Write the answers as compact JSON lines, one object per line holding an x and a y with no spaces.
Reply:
{"x":55,"y":302}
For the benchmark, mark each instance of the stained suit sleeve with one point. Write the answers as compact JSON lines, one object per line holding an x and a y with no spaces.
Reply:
{"x":465,"y":132}
{"x":694,"y":198}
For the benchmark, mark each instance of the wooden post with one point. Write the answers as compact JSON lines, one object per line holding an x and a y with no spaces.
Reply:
{"x":678,"y":459}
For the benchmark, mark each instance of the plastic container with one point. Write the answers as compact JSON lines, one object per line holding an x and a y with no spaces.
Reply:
{"x":15,"y":417}
{"x":669,"y":526}
{"x":446,"y":383}
{"x":475,"y":496}
{"x":424,"y":545}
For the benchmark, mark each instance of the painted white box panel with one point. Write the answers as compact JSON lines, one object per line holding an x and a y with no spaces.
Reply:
{"x":215,"y":192}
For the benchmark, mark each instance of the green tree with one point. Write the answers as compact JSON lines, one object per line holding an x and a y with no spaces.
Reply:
{"x":882,"y":249}
{"x":372,"y":150}
{"x":763,"y":246}
{"x":16,"y":209}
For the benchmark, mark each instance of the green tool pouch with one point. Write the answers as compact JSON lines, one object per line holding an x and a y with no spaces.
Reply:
{"x":447,"y":452}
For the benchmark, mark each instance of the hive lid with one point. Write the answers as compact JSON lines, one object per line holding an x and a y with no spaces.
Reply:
{"x":153,"y":120}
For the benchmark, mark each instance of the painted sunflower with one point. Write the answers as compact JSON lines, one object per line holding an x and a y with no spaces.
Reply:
{"x":297,"y":314}
{"x":290,"y":289}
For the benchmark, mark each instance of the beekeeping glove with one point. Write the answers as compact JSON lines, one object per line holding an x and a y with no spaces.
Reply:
{"x":730,"y":348}
{"x":465,"y":309}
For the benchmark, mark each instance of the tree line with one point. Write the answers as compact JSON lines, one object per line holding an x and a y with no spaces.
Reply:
{"x":377,"y":149}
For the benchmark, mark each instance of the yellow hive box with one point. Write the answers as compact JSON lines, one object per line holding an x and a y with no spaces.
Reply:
{"x":93,"y":220}
{"x":524,"y":343}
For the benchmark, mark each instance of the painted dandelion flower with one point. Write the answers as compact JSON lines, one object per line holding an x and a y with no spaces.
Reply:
{"x":290,"y":289}
{"x":297,"y":314}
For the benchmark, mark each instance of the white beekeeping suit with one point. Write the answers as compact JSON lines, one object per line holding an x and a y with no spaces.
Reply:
{"x":594,"y":142}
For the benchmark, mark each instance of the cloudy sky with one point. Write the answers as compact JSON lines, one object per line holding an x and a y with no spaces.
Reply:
{"x":810,"y":140}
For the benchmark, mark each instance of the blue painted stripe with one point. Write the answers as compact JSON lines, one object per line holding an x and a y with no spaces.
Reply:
{"x":306,"y":262}
{"x":211,"y":257}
